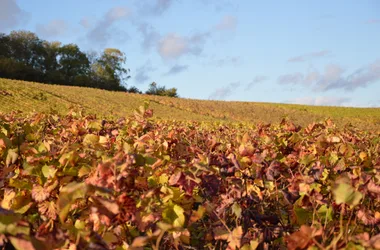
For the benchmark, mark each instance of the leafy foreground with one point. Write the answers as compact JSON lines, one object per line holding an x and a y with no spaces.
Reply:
{"x":75,"y":182}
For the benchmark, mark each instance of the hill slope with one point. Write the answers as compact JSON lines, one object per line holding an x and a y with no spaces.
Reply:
{"x":29,"y":96}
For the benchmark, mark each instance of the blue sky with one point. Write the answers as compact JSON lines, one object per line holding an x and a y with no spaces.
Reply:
{"x":311,"y":52}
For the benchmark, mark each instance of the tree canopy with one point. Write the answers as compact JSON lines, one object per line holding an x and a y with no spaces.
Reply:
{"x":155,"y":89}
{"x":24,"y":56}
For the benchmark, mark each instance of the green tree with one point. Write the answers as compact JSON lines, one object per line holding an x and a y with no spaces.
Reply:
{"x":4,"y":46}
{"x":73,"y":63}
{"x":51,"y":65}
{"x":154,"y":89}
{"x":109,"y":69}
{"x":27,"y":48}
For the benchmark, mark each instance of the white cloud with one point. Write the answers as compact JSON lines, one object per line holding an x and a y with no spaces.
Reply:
{"x":52,"y":29}
{"x":11,"y":15}
{"x":256,"y":80}
{"x":305,"y":57}
{"x":321,"y":100}
{"x":333,"y":77}
{"x":142,"y":72}
{"x":176,"y":69}
{"x":228,"y":60}
{"x":373,"y":21}
{"x":294,"y":78}
{"x":149,"y":34}
{"x":227,"y":23}
{"x":101,"y":33}
{"x":153,"y":7}
{"x":223,"y":92}
{"x":220,"y":5}
{"x":173,"y":46}
{"x":85,"y":22}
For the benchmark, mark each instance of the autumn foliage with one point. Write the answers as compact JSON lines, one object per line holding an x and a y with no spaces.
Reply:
{"x":76,"y":182}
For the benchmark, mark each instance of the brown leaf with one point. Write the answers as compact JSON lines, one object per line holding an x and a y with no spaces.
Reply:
{"x":20,"y":243}
{"x":220,"y":233}
{"x":39,"y":193}
{"x":375,"y":241}
{"x":234,"y":238}
{"x":373,"y":188}
{"x":107,"y":207}
{"x":300,"y":239}
{"x":140,"y":241}
{"x":48,"y":208}
{"x":367,"y":218}
{"x":175,"y":178}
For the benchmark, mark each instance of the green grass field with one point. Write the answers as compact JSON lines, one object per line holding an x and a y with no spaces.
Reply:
{"x":35,"y":97}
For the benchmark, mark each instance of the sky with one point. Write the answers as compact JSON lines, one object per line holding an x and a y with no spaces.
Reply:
{"x":302,"y":52}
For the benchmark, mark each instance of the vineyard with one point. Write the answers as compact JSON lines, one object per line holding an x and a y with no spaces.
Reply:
{"x":35,"y":97}
{"x":75,"y":181}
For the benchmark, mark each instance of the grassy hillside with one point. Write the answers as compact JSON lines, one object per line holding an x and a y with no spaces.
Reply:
{"x":29,"y":96}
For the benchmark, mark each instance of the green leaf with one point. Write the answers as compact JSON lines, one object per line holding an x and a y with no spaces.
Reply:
{"x":84,"y":170}
{"x":174,"y":215}
{"x":21,"y":204}
{"x":8,"y":223}
{"x":68,"y":196}
{"x":345,"y":193}
{"x":48,"y":171}
{"x":90,"y":140}
{"x":302,"y":215}
{"x":70,"y":171}
{"x":325,"y":213}
{"x":253,"y":244}
{"x":236,"y":209}
{"x":95,"y":125}
{"x":21,"y":184}
{"x":12,"y":156}
{"x":307,"y":159}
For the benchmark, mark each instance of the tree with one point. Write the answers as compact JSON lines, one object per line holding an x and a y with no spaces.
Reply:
{"x":27,"y":48}
{"x":134,"y":90}
{"x":51,"y":65}
{"x":4,"y":46}
{"x":73,"y":63}
{"x":109,"y":69}
{"x":154,"y":89}
{"x":24,"y":56}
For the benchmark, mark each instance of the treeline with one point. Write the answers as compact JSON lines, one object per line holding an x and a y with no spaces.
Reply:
{"x":24,"y":56}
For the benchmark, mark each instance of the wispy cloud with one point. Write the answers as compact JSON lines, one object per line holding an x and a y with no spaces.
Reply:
{"x":228,"y":22}
{"x":85,"y":23}
{"x":321,"y":100}
{"x":228,"y":60}
{"x":333,"y":77}
{"x":373,"y":21}
{"x":220,"y":5}
{"x":52,"y":29}
{"x":223,"y":92}
{"x":11,"y":15}
{"x":153,"y":7}
{"x":142,"y":72}
{"x":256,"y":80}
{"x":173,"y":45}
{"x":101,"y":33}
{"x":310,"y":56}
{"x":176,"y":69}
{"x":294,"y":78}
{"x":149,"y":35}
